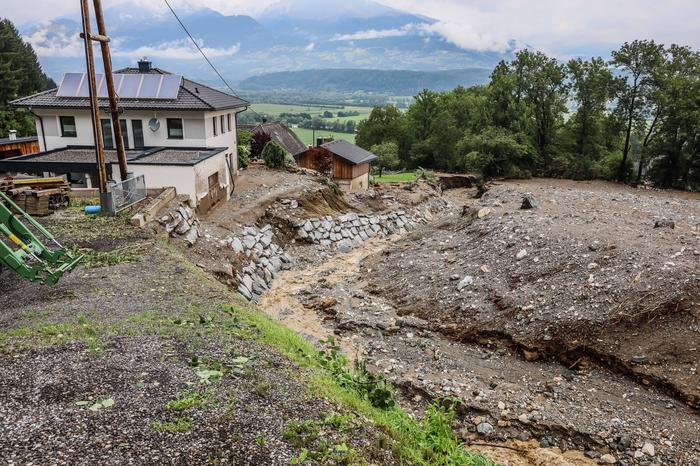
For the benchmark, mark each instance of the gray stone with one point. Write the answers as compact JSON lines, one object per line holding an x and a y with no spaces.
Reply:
{"x":345,"y":246}
{"x":249,"y":242}
{"x":250,"y":231}
{"x":465,"y":282}
{"x":648,"y":449}
{"x":266,"y":240}
{"x":276,"y":264}
{"x":529,"y":202}
{"x":302,"y":234}
{"x":236,"y":245}
{"x":247,"y":282}
{"x":608,"y":459}
{"x":484,"y":428}
{"x":266,"y":228}
{"x":521,"y":254}
{"x":308,"y":226}
{"x":245,"y":292}
{"x":325,"y":242}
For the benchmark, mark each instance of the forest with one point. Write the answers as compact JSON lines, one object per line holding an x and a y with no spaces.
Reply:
{"x":21,"y":76}
{"x":635,"y":118}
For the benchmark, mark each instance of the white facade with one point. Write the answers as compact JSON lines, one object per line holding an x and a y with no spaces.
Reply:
{"x":198,"y":129}
{"x":197,"y":132}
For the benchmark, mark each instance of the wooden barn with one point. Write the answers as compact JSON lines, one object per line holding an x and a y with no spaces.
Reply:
{"x":14,"y":146}
{"x":350,"y":164}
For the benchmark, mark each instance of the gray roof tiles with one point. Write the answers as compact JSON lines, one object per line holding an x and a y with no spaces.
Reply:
{"x":191,"y":96}
{"x":349,"y":152}
{"x":282,"y":135}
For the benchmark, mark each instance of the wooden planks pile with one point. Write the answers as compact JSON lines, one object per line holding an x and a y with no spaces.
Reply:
{"x":37,"y":196}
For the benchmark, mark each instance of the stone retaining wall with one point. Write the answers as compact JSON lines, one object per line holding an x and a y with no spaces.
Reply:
{"x":264,"y":258}
{"x":350,"y":230}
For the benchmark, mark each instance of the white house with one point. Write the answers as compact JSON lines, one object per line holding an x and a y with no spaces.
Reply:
{"x":177,"y":132}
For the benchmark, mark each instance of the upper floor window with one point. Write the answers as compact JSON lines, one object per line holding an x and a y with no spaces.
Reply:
{"x":137,"y":130}
{"x":68,"y":128}
{"x":213,"y":121}
{"x":223,"y":128}
{"x":228,"y":120}
{"x":175,"y":128}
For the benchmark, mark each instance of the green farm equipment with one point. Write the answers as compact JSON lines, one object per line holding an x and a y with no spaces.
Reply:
{"x":22,"y":252}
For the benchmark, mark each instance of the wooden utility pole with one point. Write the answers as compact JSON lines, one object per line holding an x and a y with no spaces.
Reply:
{"x":109,"y":79}
{"x":94,"y":103}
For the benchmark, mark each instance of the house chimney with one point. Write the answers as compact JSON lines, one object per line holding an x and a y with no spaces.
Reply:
{"x":264,"y":118}
{"x":144,"y":65}
{"x":13,"y":134}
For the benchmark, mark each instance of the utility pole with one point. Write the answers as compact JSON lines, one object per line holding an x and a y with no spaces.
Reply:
{"x":94,"y":104}
{"x":109,"y":79}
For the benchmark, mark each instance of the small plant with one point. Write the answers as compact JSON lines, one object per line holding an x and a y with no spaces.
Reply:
{"x":371,"y":386}
{"x":301,"y":433}
{"x":426,"y":175}
{"x":243,"y":157}
{"x":260,"y":440}
{"x":186,"y":400}
{"x":180,"y":424}
{"x":262,"y":388}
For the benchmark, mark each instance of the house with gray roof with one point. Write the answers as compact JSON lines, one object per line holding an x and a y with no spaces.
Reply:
{"x":161,"y":113}
{"x":350,"y":164}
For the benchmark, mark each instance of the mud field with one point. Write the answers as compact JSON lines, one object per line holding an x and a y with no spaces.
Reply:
{"x":574,"y":326}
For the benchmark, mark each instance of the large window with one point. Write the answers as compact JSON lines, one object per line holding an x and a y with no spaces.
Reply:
{"x":137,"y":129}
{"x":223,"y":128}
{"x":125,"y":133}
{"x":107,"y":137}
{"x":213,"y":122}
{"x":68,"y":128}
{"x":175,"y":128}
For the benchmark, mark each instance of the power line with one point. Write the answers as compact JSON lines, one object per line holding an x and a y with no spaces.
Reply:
{"x":184,"y":28}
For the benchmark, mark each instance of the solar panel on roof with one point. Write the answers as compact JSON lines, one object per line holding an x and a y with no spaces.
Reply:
{"x":69,"y":85}
{"x":170,"y":86}
{"x":150,"y":86}
{"x":127,"y":86}
{"x":130,"y":86}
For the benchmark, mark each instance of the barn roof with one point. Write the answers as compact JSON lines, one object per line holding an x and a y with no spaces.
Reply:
{"x":350,"y":152}
{"x":283,"y":136}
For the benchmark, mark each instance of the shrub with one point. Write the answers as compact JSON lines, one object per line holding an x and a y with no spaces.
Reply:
{"x":273,"y":155}
{"x":258,"y":143}
{"x":243,"y":157}
{"x":425,"y":174}
{"x":496,"y":152}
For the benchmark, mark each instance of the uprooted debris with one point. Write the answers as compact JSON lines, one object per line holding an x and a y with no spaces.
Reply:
{"x":181,"y":221}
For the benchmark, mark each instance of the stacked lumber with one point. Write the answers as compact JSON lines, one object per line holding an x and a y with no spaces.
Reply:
{"x":37,"y":196}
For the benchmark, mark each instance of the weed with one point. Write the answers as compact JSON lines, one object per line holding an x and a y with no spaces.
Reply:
{"x":260,"y":440}
{"x":180,"y":424}
{"x":186,"y":400}
{"x":93,"y":259}
{"x":301,"y":433}
{"x":262,"y":388}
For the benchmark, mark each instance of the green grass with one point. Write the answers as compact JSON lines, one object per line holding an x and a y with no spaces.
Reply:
{"x":180,"y":424}
{"x":307,"y":135}
{"x":406,"y":177}
{"x":274,"y":110}
{"x":186,"y":400}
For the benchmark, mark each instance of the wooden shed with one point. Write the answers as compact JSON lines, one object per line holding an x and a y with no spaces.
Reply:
{"x":350,"y":164}
{"x":14,"y":146}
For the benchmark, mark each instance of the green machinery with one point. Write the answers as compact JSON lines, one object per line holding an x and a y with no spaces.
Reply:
{"x":22,"y":252}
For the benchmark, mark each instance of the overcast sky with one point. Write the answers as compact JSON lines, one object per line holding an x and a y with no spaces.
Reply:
{"x":559,"y":27}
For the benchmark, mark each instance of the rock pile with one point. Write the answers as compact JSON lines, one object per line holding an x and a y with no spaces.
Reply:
{"x":350,"y":230}
{"x":264,"y":260}
{"x":181,"y":221}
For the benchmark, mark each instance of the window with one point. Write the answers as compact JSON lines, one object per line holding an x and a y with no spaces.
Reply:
{"x":137,"y":129}
{"x":125,"y":133}
{"x":228,"y":120}
{"x":175,"y":128}
{"x":107,"y":137}
{"x":213,"y":121}
{"x":68,"y":128}
{"x":223,"y":128}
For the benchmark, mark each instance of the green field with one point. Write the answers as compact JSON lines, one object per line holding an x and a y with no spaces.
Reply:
{"x":306,"y":135}
{"x":274,"y":110}
{"x":396,"y":178}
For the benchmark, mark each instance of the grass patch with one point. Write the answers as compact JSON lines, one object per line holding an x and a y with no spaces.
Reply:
{"x":187,"y":400}
{"x":94,"y":259}
{"x":73,"y":223}
{"x":406,"y":177}
{"x":180,"y":424}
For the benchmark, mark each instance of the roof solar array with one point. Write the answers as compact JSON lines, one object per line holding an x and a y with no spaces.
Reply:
{"x":127,"y":86}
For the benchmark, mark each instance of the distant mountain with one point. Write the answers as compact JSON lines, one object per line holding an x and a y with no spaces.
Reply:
{"x":348,"y":80}
{"x":288,"y":36}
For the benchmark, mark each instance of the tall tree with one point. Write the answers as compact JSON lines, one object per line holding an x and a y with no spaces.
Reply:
{"x":638,"y":62}
{"x":21,"y":75}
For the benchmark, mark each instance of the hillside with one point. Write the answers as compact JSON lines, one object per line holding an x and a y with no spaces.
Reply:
{"x":394,"y":82}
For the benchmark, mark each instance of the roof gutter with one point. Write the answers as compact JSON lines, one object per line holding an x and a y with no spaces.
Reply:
{"x":41,"y":124}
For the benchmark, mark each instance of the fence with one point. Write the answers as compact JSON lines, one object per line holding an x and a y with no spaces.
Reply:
{"x":126,"y":193}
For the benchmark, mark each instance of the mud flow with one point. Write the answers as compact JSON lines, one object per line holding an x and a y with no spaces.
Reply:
{"x":569,"y":331}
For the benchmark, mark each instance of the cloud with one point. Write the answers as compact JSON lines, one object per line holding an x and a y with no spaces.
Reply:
{"x":55,"y":40}
{"x":181,"y":49}
{"x":370,"y":34}
{"x":310,"y":47}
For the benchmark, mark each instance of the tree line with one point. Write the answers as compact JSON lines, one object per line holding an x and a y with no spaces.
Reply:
{"x":632,"y":119}
{"x":20,"y":75}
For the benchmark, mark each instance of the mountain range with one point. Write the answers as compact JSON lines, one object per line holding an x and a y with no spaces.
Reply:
{"x":289,"y":36}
